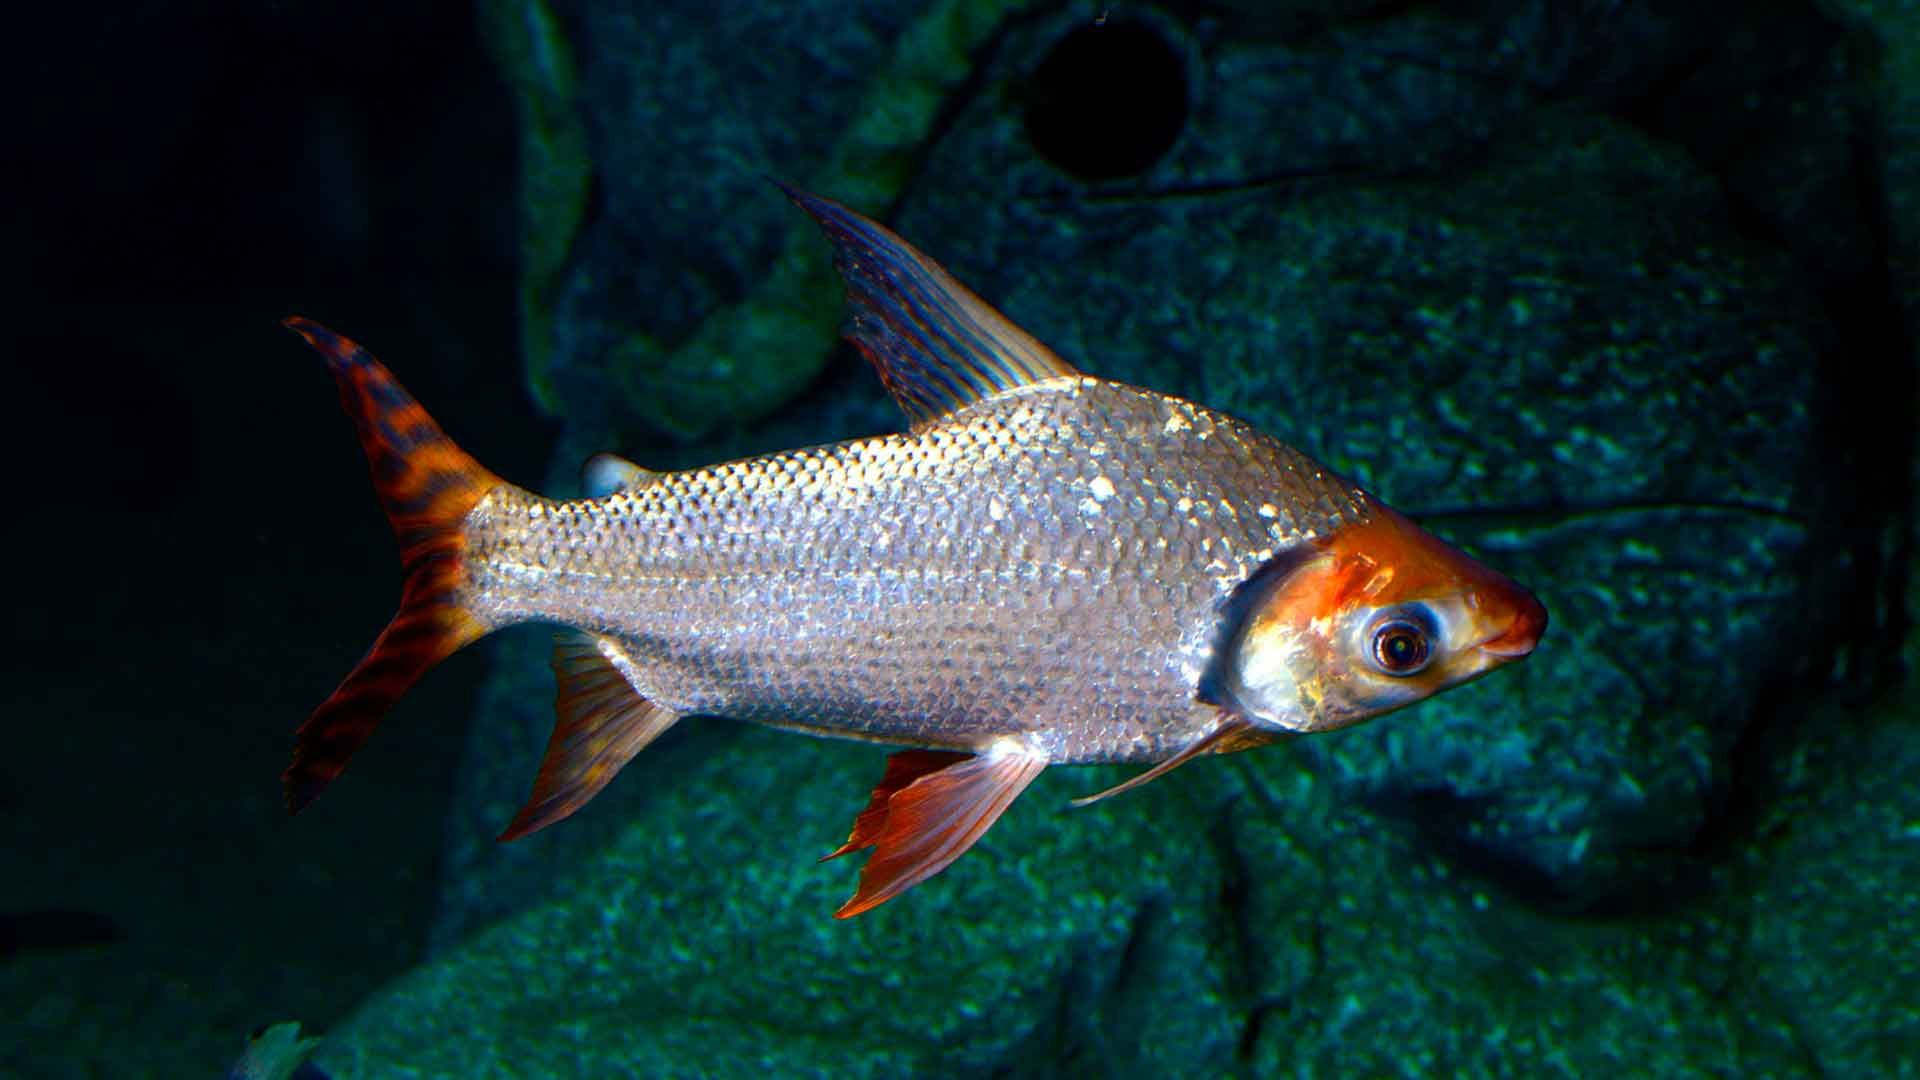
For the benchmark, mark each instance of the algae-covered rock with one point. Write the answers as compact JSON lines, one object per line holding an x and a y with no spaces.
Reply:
{"x":1233,"y":920}
{"x":1411,"y":970}
{"x":1567,"y":356}
{"x":705,"y":947}
{"x":1438,"y":250}
{"x":1535,"y":327}
{"x":649,"y":131}
{"x":1838,"y":907}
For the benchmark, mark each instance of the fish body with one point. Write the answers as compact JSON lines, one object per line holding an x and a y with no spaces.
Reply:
{"x":1048,"y":563}
{"x":1046,"y":568}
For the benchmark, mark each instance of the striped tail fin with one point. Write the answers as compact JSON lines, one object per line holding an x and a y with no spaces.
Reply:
{"x":427,"y":486}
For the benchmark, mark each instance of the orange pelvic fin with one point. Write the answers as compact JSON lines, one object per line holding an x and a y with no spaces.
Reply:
{"x":427,"y":486}
{"x":603,"y":722}
{"x":931,"y":819}
{"x":903,"y":768}
{"x":1229,"y":726}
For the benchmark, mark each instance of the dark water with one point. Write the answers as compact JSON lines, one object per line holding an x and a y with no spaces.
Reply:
{"x":1619,"y":297}
{"x":202,"y":560}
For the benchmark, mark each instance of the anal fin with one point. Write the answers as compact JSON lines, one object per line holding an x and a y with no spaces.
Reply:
{"x":603,"y":721}
{"x":928,"y":810}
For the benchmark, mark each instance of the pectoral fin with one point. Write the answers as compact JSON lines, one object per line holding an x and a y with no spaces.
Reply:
{"x":603,"y":722}
{"x":1229,"y":727}
{"x":935,"y":806}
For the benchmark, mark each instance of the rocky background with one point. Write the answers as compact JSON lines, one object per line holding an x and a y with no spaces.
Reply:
{"x":1618,"y":296}
{"x":1606,"y":293}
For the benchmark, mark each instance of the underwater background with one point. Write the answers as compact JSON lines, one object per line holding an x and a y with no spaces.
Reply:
{"x":1622,"y":297}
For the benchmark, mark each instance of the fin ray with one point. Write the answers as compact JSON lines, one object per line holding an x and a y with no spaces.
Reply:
{"x":903,"y":768}
{"x":933,"y":820}
{"x":1228,"y":728}
{"x":936,"y":345}
{"x":427,"y":485}
{"x":603,"y":722}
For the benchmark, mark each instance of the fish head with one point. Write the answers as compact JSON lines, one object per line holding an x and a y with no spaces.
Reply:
{"x":1371,"y":619}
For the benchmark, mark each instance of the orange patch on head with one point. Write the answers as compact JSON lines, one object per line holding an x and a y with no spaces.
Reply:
{"x":1309,"y":655}
{"x":1317,"y":589}
{"x":1407,"y":563}
{"x":1385,"y":561}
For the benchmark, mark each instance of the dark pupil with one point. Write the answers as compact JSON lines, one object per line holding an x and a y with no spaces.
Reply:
{"x":1401,"y":648}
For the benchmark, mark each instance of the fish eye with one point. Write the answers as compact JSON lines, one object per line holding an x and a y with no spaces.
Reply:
{"x":1401,"y":643}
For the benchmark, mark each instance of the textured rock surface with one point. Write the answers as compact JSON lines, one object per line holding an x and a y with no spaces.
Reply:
{"x":1467,"y":259}
{"x":649,"y":130}
{"x":1606,"y":393}
{"x":1235,"y":920}
{"x":736,"y":967}
{"x":1838,"y":900}
{"x":1524,"y":320}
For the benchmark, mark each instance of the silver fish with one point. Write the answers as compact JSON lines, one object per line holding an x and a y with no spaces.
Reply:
{"x":1046,"y":568}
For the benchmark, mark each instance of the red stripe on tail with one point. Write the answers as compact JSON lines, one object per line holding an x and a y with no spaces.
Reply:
{"x":427,"y":486}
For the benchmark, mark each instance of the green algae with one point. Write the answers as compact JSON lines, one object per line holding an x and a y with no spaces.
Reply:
{"x":556,"y":172}
{"x":1277,"y":913}
{"x":701,"y":942}
{"x":747,"y":358}
{"x":1236,"y":918}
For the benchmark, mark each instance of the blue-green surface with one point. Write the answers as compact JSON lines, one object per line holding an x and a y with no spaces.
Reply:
{"x":1498,"y":297}
{"x":1621,"y":297}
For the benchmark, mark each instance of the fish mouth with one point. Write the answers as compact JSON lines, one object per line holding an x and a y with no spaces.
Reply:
{"x":1506,"y":650}
{"x":1521,"y":635}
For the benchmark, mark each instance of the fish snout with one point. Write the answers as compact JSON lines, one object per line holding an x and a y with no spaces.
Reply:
{"x":1522,"y":633}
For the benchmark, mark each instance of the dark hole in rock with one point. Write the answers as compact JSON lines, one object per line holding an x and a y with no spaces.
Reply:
{"x":1107,"y":101}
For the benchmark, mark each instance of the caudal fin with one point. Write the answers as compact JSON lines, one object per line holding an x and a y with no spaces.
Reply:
{"x":427,"y":486}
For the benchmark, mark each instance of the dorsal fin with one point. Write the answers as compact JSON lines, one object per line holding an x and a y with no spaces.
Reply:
{"x":936,"y":345}
{"x":604,"y":474}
